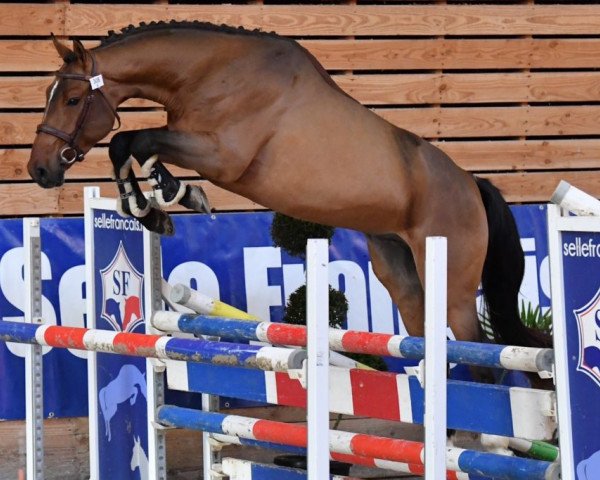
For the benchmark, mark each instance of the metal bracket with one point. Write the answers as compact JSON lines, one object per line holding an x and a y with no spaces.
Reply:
{"x":216,"y":473}
{"x":161,"y":427}
{"x":300,"y":374}
{"x":158,"y":365}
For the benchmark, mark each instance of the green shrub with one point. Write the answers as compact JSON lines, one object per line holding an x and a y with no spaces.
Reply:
{"x":291,"y":234}
{"x":295,"y":309}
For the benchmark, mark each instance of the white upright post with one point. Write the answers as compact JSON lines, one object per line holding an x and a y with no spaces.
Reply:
{"x":560,"y":335}
{"x":91,"y":193}
{"x":34,"y":383}
{"x":155,"y":385}
{"x":436,"y":322}
{"x":317,"y":324}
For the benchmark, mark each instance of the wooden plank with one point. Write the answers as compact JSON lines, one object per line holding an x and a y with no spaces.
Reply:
{"x":538,"y":187}
{"x":19,"y":128}
{"x":408,"y":89}
{"x":32,"y":18}
{"x":66,"y":453}
{"x":477,"y":122}
{"x":524,"y":154}
{"x":29,"y":199}
{"x":20,"y":55}
{"x":30,"y":92}
{"x":26,"y":55}
{"x":435,"y":122}
{"x":448,"y":88}
{"x":354,"y":20}
{"x":485,"y":155}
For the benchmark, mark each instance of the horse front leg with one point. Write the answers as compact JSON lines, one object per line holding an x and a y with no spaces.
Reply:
{"x":168,"y":190}
{"x":132,"y":200}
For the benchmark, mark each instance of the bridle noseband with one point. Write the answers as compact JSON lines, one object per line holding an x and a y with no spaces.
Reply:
{"x":72,"y":152}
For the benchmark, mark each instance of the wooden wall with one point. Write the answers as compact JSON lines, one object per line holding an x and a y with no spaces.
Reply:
{"x":511,"y":90}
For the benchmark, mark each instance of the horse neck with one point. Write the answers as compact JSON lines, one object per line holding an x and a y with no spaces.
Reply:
{"x":157,"y":68}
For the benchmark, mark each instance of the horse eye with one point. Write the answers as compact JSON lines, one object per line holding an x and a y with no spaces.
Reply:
{"x":73,"y":101}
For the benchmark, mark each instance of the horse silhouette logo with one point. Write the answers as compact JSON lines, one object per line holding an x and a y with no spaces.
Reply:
{"x":589,"y":469}
{"x":127,"y":385}
{"x":588,"y":325}
{"x":121,"y":293}
{"x":139,"y":459}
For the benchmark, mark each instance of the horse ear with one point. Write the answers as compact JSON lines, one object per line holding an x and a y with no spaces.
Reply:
{"x":79,"y":50}
{"x":65,"y":52}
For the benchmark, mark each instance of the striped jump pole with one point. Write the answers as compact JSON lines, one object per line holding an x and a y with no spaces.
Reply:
{"x":198,"y":302}
{"x":154,"y":346}
{"x":465,"y":353}
{"x":466,"y":461}
{"x":345,"y":458}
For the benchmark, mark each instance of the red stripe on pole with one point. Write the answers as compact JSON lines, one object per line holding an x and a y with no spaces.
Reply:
{"x":387,"y":448}
{"x":136,"y":344}
{"x":420,"y":470}
{"x":283,"y":334}
{"x":278,"y":432}
{"x":353,"y":459}
{"x":289,"y":391}
{"x":372,"y":343}
{"x":65,"y":337}
{"x":375,"y":394}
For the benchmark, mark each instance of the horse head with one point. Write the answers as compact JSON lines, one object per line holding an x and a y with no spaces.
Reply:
{"x":78,"y":114}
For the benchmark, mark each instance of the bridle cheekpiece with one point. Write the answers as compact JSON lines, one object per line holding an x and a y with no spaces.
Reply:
{"x":72,"y":152}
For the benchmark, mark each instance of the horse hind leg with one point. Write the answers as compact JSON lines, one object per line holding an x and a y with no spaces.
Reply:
{"x":401,"y":270}
{"x":394,"y":266}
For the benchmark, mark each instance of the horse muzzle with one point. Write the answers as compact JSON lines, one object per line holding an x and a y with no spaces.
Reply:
{"x":45,"y":177}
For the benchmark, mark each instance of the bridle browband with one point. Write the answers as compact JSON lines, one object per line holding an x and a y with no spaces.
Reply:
{"x":72,"y":153}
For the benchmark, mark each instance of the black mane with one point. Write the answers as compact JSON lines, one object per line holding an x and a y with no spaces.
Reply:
{"x":143,"y":27}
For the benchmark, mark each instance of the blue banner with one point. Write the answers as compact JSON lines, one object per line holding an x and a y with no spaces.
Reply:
{"x":121,"y":380}
{"x":581,"y":261}
{"x":228,"y":256}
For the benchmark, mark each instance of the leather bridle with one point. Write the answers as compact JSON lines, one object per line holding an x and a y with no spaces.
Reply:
{"x":72,"y":152}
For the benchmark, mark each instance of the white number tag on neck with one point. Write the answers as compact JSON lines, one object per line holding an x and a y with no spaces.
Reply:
{"x":96,"y":82}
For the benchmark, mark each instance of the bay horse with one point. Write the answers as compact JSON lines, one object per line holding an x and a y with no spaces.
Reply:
{"x":256,"y":114}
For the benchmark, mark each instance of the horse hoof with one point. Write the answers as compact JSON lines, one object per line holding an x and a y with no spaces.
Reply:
{"x":195,"y":199}
{"x":159,"y":222}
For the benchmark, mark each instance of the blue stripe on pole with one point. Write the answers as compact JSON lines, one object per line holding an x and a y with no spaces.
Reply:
{"x":486,"y":409}
{"x":273,"y":446}
{"x":218,"y":327}
{"x":217,"y":353}
{"x":18,"y":332}
{"x":504,"y":467}
{"x":191,"y":419}
{"x":240,"y":383}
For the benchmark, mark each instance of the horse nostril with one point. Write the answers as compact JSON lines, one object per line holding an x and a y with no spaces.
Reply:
{"x":41,"y":173}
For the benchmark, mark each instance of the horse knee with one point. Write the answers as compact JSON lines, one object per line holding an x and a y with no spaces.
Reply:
{"x":144,"y":145}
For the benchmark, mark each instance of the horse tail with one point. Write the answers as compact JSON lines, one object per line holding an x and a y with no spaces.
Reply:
{"x":503,"y":273}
